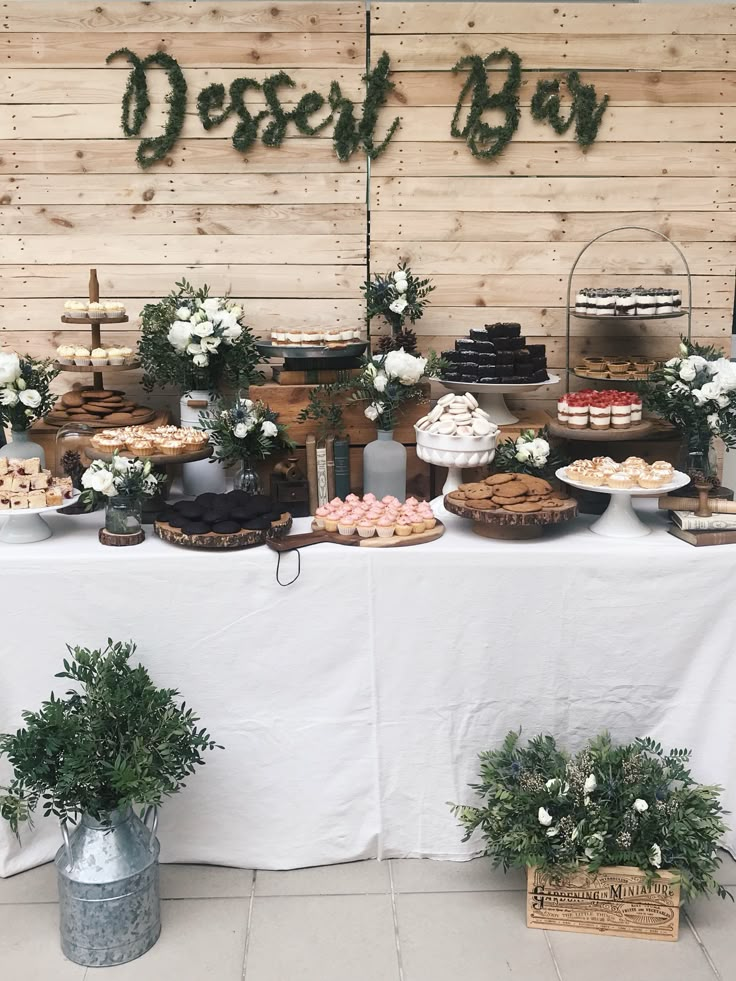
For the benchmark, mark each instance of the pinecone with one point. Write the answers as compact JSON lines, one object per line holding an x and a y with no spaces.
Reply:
{"x":72,"y":466}
{"x":405,"y":338}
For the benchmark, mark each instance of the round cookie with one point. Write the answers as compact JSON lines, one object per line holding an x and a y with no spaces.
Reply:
{"x":536,"y":485}
{"x":504,"y":502}
{"x":497,"y":479}
{"x":195,"y":528}
{"x":485,"y":505}
{"x":189,"y":510}
{"x":479,"y":494}
{"x":258,"y":524}
{"x":72,"y":400}
{"x":512,"y":488}
{"x":226,"y":527}
{"x":525,"y":508}
{"x":457,"y":496}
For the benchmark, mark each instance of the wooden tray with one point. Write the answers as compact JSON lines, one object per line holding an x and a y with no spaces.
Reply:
{"x":317,"y":536}
{"x":157,"y":459}
{"x":240,"y":539}
{"x":511,"y":525}
{"x":637,"y":431}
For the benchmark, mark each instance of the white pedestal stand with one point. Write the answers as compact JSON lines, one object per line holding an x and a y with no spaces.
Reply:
{"x":24,"y":527}
{"x":491,"y":397}
{"x":455,"y":453}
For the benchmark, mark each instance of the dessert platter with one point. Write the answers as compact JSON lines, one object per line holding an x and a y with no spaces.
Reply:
{"x":328,"y":344}
{"x":511,"y":506}
{"x":457,"y":433}
{"x":645,"y":303}
{"x":370,"y":523}
{"x":614,"y":368}
{"x":98,"y":408}
{"x":495,"y":361}
{"x":26,"y":492}
{"x":222,"y":521}
{"x":600,"y":415}
{"x":623,"y":481}
{"x":162,"y":445}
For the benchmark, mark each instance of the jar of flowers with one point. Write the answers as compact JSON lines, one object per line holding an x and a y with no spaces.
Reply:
{"x":397,"y":297}
{"x":25,"y":396}
{"x":242,"y":434}
{"x":120,"y":484}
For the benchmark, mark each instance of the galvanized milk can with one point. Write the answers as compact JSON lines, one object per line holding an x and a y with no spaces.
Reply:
{"x":108,"y":879}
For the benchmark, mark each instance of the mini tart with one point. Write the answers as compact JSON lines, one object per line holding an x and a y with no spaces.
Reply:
{"x":141,"y":447}
{"x":621,"y":480}
{"x":652,"y":479}
{"x":593,"y":478}
{"x":108,"y":443}
{"x":169,"y":447}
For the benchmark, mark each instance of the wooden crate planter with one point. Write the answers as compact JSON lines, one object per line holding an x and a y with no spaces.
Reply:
{"x":616,"y":900}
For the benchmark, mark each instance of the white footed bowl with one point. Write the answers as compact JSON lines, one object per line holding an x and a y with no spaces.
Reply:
{"x":455,"y":451}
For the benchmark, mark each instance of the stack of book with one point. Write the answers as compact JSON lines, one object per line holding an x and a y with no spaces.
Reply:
{"x":718,"y":529}
{"x":328,"y":470}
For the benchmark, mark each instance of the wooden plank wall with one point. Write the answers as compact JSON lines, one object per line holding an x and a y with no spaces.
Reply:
{"x":281,"y":228}
{"x":499,"y":236}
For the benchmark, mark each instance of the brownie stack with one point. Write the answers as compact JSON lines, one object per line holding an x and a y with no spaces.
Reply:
{"x":497,"y":354}
{"x":224,"y":514}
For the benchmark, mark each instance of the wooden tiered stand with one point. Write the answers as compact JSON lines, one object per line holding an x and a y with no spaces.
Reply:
{"x":135,"y":415}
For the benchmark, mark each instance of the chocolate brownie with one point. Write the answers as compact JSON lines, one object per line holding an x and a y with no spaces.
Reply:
{"x":537,"y":350}
{"x":450,"y":356}
{"x":485,"y":359}
{"x":464,"y":344}
{"x":452,"y":376}
{"x":478,"y":335}
{"x":469,"y":369}
{"x":522,"y":370}
{"x":462,"y":356}
{"x":510,"y":380}
{"x":522,"y":355}
{"x":504,"y":358}
{"x":486,"y":347}
{"x":538,"y":364}
{"x":539,"y":376}
{"x":488,"y":379}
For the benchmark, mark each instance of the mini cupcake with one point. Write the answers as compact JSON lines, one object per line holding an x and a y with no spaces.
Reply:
{"x":99,"y":357}
{"x":389,"y":499}
{"x":346,"y":525}
{"x":76,"y":309}
{"x":352,"y":499}
{"x":417,"y":524}
{"x":621,"y":480}
{"x":385,"y":527}
{"x":369,"y":498}
{"x":366,"y":528}
{"x":114,"y":309}
{"x":115,"y":355}
{"x":330,"y":522}
{"x":96,"y":311}
{"x":128,"y":354}
{"x":320,"y":516}
{"x":403,"y":527}
{"x":81,"y":356}
{"x":65,"y":353}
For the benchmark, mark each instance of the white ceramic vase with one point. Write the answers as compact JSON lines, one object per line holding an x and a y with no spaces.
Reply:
{"x":201,"y":477}
{"x":384,"y":467}
{"x":21,"y":447}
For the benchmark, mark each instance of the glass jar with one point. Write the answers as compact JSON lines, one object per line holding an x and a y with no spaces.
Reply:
{"x":123,"y":515}
{"x":699,"y":458}
{"x":73,"y":439}
{"x":247,"y":479}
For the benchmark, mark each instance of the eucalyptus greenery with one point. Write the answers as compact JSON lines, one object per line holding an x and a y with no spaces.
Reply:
{"x":631,"y":804}
{"x":115,"y":740}
{"x":245,"y":431}
{"x":397,"y":297}
{"x":325,"y":407}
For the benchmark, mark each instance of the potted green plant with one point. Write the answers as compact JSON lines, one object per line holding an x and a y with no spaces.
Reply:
{"x":610,"y":822}
{"x":114,"y":740}
{"x":25,"y":396}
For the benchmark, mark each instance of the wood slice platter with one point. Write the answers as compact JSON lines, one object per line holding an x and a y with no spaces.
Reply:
{"x":120,"y":541}
{"x":211,"y":540}
{"x":512,"y":525}
{"x":97,"y":368}
{"x":94,"y":321}
{"x":157,"y":459}
{"x":317,"y":536}
{"x":637,"y":431}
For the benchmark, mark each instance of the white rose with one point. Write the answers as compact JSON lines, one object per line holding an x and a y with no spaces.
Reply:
{"x":699,"y":397}
{"x":183,"y":313}
{"x":380,"y":382}
{"x":711,"y":390}
{"x":400,"y":285}
{"x":210,"y":344}
{"x":236,"y":311}
{"x":212,"y":304}
{"x":688,"y":371}
{"x":655,"y":856}
{"x":101,"y":481}
{"x":590,"y":784}
{"x":406,"y":368}
{"x":225,"y":318}
{"x":121,"y":463}
{"x":544,"y":817}
{"x":201,"y":360}
{"x":232,"y":333}
{"x":179,"y":335}
{"x":9,"y":397}
{"x":551,"y":832}
{"x":399,"y":305}
{"x":194,"y":348}
{"x":724,"y":372}
{"x":400,"y":274}
{"x":371,"y":413}
{"x":523,"y":454}
{"x":205,"y":329}
{"x":714,"y":422}
{"x":269,"y":428}
{"x":640,"y":805}
{"x":9,"y":367}
{"x":723,"y":400}
{"x":672,"y":362}
{"x":247,"y":403}
{"x":240,"y":431}
{"x":31,"y":398}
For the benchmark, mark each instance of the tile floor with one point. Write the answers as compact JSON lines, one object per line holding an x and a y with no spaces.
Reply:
{"x":408,"y":920}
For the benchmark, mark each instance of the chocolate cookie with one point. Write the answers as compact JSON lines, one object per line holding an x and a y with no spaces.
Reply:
{"x":513,"y":488}
{"x":195,"y":528}
{"x":497,"y":479}
{"x":226,"y":527}
{"x":485,"y":505}
{"x":481,"y":493}
{"x":525,"y":508}
{"x":189,"y":510}
{"x":504,"y":502}
{"x":258,"y":524}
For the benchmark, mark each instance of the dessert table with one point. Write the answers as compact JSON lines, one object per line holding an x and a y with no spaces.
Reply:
{"x":353,"y":703}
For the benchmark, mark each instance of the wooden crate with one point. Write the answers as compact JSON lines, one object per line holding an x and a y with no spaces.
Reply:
{"x":616,"y":900}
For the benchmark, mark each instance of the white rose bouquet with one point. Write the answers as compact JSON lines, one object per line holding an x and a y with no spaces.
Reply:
{"x":245,"y":432}
{"x":531,"y":453}
{"x":696,"y":392}
{"x":120,"y":477}
{"x":389,"y":380}
{"x":196,"y":341}
{"x":398,"y":297}
{"x":25,"y":390}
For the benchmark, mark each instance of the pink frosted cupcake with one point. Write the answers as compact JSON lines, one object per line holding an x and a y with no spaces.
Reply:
{"x":347,"y":524}
{"x":366,"y":528}
{"x":411,"y":502}
{"x":352,"y":499}
{"x":417,"y":524}
{"x":369,"y":498}
{"x":385,"y":527}
{"x":403,"y":527}
{"x":390,"y":499}
{"x":331,"y":522}
{"x":319,"y":516}
{"x":336,"y":502}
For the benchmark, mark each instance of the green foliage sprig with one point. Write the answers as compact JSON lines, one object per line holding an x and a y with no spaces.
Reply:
{"x":326,"y":406}
{"x":115,"y":740}
{"x":246,"y":431}
{"x":397,"y":297}
{"x":152,"y":148}
{"x":631,"y":804}
{"x":531,"y":453}
{"x":486,"y":141}
{"x":235,"y":361}
{"x":585,"y":110}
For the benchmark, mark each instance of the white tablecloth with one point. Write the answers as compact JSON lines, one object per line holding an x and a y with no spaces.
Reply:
{"x":353,"y":704}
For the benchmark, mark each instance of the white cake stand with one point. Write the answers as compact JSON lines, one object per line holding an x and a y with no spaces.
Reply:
{"x":455,"y":453}
{"x":620,"y":520}
{"x":491,"y":397}
{"x":23,"y":527}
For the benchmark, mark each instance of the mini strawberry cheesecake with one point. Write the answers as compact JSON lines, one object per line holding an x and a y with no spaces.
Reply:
{"x":563,"y":411}
{"x":621,"y":413}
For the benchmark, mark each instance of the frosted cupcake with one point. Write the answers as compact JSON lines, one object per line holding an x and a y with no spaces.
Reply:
{"x":116,"y":355}
{"x":81,"y":356}
{"x":96,"y":311}
{"x":366,"y":528}
{"x":128,"y":354}
{"x":385,"y":527}
{"x":319,"y":517}
{"x":346,"y":525}
{"x":330,"y":522}
{"x":76,"y":309}
{"x":114,"y":309}
{"x":403,"y":527}
{"x":65,"y":353}
{"x":417,"y":524}
{"x":99,"y":357}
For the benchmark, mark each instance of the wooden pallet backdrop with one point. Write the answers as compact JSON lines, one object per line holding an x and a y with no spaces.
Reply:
{"x":499,"y":236}
{"x":286,"y":228}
